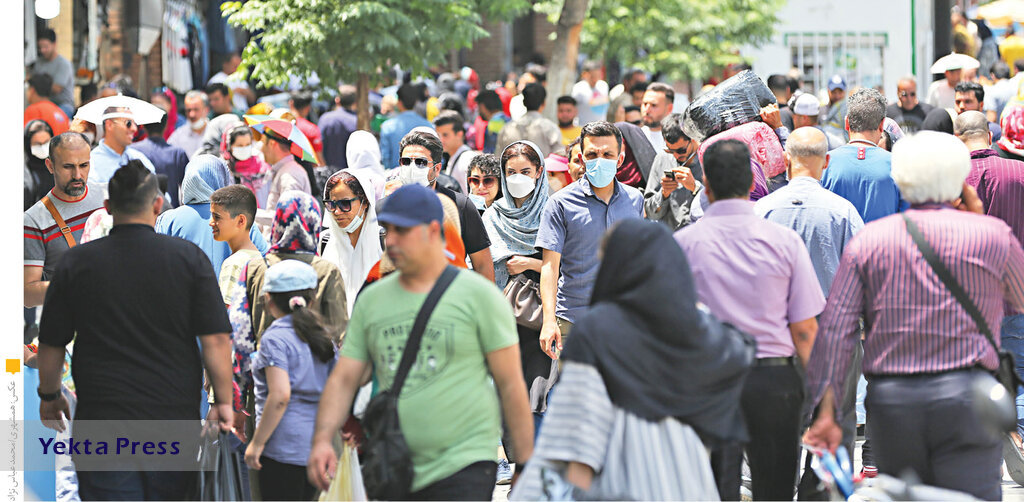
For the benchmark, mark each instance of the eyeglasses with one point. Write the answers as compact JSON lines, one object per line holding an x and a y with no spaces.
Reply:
{"x":677,"y":151}
{"x":487,"y":181}
{"x":420,"y":161}
{"x":345,"y":205}
{"x":904,"y":94}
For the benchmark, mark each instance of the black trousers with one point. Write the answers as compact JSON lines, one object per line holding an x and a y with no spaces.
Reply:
{"x":926,"y":423}
{"x":771,"y":401}
{"x":474,"y":482}
{"x":281,"y":481}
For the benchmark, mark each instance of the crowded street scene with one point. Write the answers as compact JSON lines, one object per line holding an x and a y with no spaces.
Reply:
{"x":523,"y":250}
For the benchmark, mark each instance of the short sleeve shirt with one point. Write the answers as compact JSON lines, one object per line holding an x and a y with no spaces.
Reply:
{"x":474,"y":234}
{"x":448,"y":400}
{"x":281,"y":347}
{"x":231,"y":270}
{"x":573,"y":224}
{"x":63,"y":75}
{"x":134,"y":301}
{"x":44,"y":243}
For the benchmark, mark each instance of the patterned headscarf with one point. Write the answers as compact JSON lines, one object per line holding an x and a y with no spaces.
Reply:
{"x":204,"y":174}
{"x":1012,"y":124}
{"x":296,"y":226}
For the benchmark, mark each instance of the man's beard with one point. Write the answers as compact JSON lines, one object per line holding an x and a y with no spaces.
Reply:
{"x":73,"y":190}
{"x":650,"y":124}
{"x":564,"y":125}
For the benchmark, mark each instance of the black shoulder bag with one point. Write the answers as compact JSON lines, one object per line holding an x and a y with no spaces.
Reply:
{"x":387,"y":463}
{"x":1006,"y":372}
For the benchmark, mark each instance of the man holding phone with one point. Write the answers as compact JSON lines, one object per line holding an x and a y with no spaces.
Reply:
{"x":672,"y":194}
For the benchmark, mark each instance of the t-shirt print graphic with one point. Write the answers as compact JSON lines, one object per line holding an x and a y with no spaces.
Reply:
{"x":435,"y":354}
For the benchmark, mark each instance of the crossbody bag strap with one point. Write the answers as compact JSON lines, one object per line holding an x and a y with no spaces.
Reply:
{"x":947,"y":278}
{"x":61,"y":224}
{"x":412,"y":345}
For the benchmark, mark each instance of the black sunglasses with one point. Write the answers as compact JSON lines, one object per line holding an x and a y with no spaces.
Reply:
{"x":420,"y":161}
{"x":345,"y":205}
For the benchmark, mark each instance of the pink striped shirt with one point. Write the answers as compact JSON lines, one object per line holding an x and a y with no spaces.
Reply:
{"x":1000,"y":185}
{"x":914,"y":325}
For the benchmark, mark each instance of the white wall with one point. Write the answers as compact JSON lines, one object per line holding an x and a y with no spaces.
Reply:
{"x":854,"y":16}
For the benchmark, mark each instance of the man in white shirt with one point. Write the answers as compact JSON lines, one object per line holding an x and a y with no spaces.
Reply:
{"x":941,"y":93}
{"x":656,"y":106}
{"x":591,"y":93}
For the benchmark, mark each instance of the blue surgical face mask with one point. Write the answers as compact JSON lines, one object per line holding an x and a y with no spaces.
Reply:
{"x":601,"y":172}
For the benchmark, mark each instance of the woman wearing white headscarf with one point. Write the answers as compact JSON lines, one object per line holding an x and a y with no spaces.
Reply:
{"x":353,"y":243}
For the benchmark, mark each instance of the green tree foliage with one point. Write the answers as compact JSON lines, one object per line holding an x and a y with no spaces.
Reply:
{"x":682,"y":38}
{"x":343,"y":40}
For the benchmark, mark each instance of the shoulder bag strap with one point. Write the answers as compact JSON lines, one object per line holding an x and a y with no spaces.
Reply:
{"x":412,"y":345}
{"x":947,"y":278}
{"x":60,"y":221}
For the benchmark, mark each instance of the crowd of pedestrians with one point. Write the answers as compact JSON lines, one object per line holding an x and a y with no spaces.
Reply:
{"x":625,"y":309}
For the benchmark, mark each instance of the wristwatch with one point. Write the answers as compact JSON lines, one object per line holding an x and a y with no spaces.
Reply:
{"x":48,"y":396}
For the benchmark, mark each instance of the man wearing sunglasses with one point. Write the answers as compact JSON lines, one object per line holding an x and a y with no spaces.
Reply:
{"x":908,"y":112}
{"x":420,"y":163}
{"x":673,"y":199}
{"x":118,"y":127}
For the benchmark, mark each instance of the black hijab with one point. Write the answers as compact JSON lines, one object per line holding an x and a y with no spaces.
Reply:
{"x":42,"y":180}
{"x":938,"y":120}
{"x":660,"y":356}
{"x":641,"y":148}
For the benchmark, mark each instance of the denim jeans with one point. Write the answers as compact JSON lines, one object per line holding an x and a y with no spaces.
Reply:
{"x":1012,"y":334}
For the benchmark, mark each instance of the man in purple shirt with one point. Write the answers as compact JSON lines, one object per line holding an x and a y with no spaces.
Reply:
{"x":168,"y":159}
{"x":757,"y":276}
{"x":918,"y":336}
{"x":1000,"y":186}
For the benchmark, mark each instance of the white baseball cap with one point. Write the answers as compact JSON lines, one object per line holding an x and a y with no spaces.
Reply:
{"x":806,"y":104}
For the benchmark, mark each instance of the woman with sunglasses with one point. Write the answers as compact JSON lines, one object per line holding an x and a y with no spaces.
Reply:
{"x":352,"y":241}
{"x":484,"y":189}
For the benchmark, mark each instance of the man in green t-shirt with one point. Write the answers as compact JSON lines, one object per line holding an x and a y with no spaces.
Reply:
{"x":448,"y":407}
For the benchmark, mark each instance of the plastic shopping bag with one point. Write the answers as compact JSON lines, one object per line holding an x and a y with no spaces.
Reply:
{"x":220,"y":477}
{"x":348,"y":478}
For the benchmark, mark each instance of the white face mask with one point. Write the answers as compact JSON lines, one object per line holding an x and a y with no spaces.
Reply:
{"x":411,"y":174}
{"x":520,"y":185}
{"x":41,"y":152}
{"x":478,"y":200}
{"x":241,"y":152}
{"x":354,"y":224}
{"x":198,"y":124}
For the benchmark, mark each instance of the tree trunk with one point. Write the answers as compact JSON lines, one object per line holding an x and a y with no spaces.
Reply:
{"x":562,"y":70}
{"x":363,"y":114}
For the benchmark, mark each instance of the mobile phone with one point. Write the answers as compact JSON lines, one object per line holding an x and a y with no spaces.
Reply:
{"x":670,"y":174}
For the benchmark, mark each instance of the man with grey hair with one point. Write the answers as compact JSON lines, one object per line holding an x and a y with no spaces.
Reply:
{"x":1000,"y":186}
{"x":918,"y":334}
{"x":197,"y":110}
{"x":859,"y":171}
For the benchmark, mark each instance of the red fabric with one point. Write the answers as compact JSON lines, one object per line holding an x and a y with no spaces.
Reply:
{"x":172,"y":115}
{"x":629,"y":172}
{"x":477,"y":133}
{"x":506,"y":100}
{"x":312,"y":133}
{"x":49,"y":113}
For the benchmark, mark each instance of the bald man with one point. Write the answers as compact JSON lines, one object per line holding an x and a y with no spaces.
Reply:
{"x":825,"y":221}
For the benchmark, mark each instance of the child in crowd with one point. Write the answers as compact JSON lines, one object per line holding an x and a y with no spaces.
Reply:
{"x":290,"y":369}
{"x":232,"y":212}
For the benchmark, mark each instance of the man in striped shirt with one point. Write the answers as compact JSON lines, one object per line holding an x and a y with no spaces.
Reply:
{"x":73,"y":198}
{"x":922,"y":351}
{"x":1000,"y":186}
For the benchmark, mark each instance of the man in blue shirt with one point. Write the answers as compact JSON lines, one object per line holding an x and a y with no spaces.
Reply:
{"x":395,"y":128}
{"x":825,"y":221}
{"x":859,"y":171}
{"x":119,"y":127}
{"x":336,"y":126}
{"x":168,"y":159}
{"x":572,"y":226}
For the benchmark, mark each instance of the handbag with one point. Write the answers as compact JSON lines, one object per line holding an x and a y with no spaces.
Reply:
{"x":387,"y":463}
{"x":1006,"y":373}
{"x":524,"y":295}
